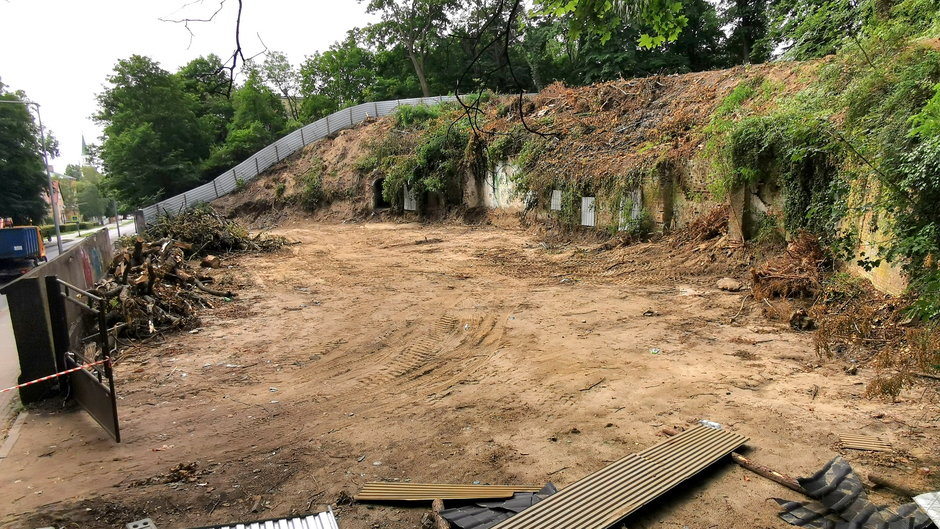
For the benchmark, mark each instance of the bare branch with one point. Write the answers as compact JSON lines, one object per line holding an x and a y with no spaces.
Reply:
{"x":472,"y":111}
{"x":232,"y":64}
{"x":186,"y":21}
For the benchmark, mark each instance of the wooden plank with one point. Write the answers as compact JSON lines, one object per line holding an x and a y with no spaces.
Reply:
{"x":612,"y":493}
{"x":398,"y":491}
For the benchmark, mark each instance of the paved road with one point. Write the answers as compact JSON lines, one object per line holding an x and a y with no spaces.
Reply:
{"x":9,"y":361}
{"x":52,"y":251}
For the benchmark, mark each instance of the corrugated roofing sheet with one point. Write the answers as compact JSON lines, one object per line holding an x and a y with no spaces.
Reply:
{"x":864,"y":442}
{"x":610,"y":494}
{"x":323,"y":520}
{"x":398,"y":491}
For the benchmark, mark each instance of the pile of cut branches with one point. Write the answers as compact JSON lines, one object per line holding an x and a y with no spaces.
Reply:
{"x":208,"y":232}
{"x":797,"y":272}
{"x":706,"y":227}
{"x":151,"y":283}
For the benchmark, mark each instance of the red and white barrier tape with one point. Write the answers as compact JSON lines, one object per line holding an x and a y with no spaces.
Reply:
{"x":59,"y":374}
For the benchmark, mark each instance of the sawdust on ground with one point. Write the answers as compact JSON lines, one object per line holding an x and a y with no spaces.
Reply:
{"x":451,"y":353}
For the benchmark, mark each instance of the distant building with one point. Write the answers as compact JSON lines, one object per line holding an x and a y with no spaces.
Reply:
{"x":66,"y":197}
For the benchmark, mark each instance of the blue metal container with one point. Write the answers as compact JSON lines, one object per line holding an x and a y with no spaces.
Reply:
{"x":21,"y":243}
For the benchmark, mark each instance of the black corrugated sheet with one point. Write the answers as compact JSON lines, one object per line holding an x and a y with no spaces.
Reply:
{"x":843,"y":504}
{"x":486,"y":514}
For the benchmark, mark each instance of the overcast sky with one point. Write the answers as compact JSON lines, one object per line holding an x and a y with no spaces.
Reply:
{"x":61,"y":51}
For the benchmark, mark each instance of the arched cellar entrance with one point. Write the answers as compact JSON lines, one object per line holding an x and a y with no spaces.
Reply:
{"x":378,"y":201}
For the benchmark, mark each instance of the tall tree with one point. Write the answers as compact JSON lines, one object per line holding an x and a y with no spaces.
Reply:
{"x":258,"y":120}
{"x":153,"y":140}
{"x":73,"y":170}
{"x":749,"y":22}
{"x":280,"y":75}
{"x":92,"y":201}
{"x":344,"y":74}
{"x":415,"y":25}
{"x":205,"y":80}
{"x":601,"y":18}
{"x":808,"y":29}
{"x":22,"y":176}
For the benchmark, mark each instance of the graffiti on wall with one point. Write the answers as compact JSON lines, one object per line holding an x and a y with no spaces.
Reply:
{"x":91,"y":264}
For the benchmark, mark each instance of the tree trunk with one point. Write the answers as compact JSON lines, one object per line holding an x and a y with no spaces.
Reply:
{"x":534,"y":73}
{"x":419,"y":70}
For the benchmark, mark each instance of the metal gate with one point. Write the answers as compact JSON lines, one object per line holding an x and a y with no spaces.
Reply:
{"x":80,"y":339}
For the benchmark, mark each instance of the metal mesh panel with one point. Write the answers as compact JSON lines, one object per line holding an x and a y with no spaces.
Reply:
{"x":587,"y":211}
{"x":150,"y":213}
{"x":340,"y":120}
{"x":387,"y":107}
{"x":289,"y":144}
{"x":203,"y":193}
{"x":172,"y":205}
{"x":266,"y":158}
{"x":315,"y":130}
{"x":226,"y":183}
{"x":361,"y":112}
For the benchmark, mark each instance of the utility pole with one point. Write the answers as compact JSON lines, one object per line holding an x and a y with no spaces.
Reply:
{"x":45,"y":161}
{"x":117,"y":218}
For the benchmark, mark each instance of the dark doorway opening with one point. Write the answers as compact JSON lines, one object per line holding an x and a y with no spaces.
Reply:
{"x":378,"y":201}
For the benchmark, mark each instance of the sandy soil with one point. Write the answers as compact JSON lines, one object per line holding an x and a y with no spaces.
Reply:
{"x":445,"y":353}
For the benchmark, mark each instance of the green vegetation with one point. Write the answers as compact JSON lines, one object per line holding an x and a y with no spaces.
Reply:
{"x":167,"y":132}
{"x":312,"y":195}
{"x":48,"y":230}
{"x":857,"y":149}
{"x":408,"y":115}
{"x":21,"y":164}
{"x":429,"y":154}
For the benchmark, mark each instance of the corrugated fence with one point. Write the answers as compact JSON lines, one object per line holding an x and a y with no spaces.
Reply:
{"x":274,"y":153}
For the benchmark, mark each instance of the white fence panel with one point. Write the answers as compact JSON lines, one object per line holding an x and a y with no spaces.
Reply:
{"x":587,"y":211}
{"x":386,"y":107}
{"x":411,"y":202}
{"x":359,"y":113}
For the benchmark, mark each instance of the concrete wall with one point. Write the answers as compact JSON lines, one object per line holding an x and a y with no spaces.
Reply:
{"x":495,"y":191}
{"x":675,"y":195}
{"x":81,"y":265}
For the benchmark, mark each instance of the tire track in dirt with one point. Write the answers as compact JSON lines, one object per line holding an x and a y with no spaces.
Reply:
{"x":415,"y":355}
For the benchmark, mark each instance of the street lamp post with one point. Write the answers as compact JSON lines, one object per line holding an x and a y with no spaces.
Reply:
{"x":45,"y":161}
{"x":117,"y":218}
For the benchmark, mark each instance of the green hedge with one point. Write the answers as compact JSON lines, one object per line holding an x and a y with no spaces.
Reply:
{"x":48,"y":230}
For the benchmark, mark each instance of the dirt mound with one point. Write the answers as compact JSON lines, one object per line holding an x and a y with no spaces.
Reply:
{"x":604,"y":135}
{"x":277,"y":195}
{"x":627,"y":127}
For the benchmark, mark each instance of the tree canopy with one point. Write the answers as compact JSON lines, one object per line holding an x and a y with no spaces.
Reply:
{"x":23,"y":181}
{"x":154,"y":140}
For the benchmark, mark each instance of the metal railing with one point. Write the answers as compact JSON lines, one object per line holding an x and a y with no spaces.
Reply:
{"x":274,"y":153}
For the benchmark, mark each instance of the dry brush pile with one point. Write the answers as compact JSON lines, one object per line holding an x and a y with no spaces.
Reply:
{"x":154,"y":284}
{"x":852,"y":320}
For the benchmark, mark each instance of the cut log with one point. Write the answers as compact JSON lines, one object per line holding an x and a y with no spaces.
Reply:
{"x":768,"y":473}
{"x":211,"y":261}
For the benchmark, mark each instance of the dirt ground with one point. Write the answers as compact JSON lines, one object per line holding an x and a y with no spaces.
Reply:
{"x":456,"y":354}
